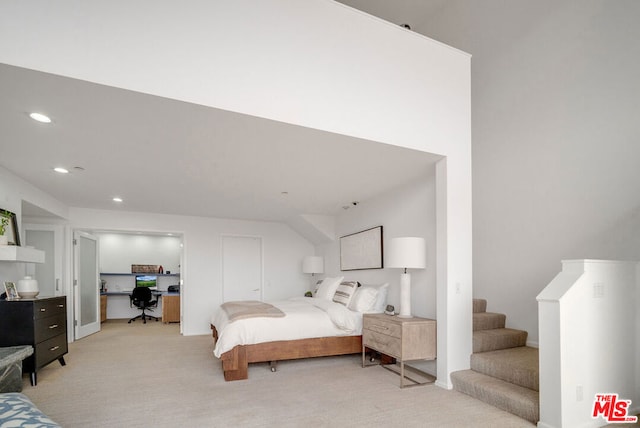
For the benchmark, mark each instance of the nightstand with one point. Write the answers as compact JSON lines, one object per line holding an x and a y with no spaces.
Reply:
{"x":405,"y":339}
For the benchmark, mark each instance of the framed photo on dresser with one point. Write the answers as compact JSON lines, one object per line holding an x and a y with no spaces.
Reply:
{"x":10,"y":289}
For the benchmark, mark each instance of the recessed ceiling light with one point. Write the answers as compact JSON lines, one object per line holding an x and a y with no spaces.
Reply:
{"x":61,"y":170}
{"x":116,"y":199}
{"x":40,"y":117}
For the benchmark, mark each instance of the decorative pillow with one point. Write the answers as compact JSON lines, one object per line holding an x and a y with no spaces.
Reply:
{"x":327,"y":288}
{"x":345,"y":291}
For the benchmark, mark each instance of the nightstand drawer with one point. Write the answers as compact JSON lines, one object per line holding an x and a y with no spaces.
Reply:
{"x":386,"y":344}
{"x":380,"y":326}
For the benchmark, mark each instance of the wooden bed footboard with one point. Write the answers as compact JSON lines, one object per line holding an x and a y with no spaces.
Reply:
{"x":235,"y":363}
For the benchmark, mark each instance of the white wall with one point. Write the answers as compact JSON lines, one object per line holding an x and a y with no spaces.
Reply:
{"x":321,"y":65}
{"x":555,"y":138}
{"x":201,"y":272}
{"x":118,"y":251}
{"x":407,"y":211}
{"x":588,"y":340}
{"x":13,"y":191}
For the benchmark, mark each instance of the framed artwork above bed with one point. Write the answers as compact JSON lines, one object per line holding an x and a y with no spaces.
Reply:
{"x":362,"y":250}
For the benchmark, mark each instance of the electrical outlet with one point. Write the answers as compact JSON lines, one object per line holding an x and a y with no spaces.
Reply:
{"x":598,"y":290}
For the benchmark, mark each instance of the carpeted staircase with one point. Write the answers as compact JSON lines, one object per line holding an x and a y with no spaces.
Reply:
{"x":504,"y":371}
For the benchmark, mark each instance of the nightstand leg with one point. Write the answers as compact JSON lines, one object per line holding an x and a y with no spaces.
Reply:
{"x":401,"y":374}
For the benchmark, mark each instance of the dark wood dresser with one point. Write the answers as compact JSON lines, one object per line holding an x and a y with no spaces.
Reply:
{"x":41,"y":323}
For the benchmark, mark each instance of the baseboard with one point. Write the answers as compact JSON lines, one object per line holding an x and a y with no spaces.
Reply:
{"x":444,"y":385}
{"x":544,"y":425}
{"x":532,"y":344}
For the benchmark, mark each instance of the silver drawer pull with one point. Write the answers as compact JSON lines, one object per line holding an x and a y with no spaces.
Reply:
{"x":52,"y":326}
{"x":43,"y":309}
{"x":61,"y":306}
{"x":54,"y":348}
{"x":380,"y":327}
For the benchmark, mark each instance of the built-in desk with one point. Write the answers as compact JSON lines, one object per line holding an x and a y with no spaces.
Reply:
{"x":118,"y":304}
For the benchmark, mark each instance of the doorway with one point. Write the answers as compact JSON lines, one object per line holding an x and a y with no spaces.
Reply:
{"x":241,"y":268}
{"x":86,"y":284}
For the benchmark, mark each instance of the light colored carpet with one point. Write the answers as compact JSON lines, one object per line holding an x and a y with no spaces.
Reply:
{"x":138,"y":375}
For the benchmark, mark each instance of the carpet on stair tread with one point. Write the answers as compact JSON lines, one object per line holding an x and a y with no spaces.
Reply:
{"x":499,"y":338}
{"x":479,"y":305}
{"x":518,"y":365}
{"x":488,"y":321}
{"x":515,"y":399}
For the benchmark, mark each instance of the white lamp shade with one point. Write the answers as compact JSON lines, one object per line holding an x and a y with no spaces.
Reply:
{"x":313,"y":264}
{"x":407,"y":253}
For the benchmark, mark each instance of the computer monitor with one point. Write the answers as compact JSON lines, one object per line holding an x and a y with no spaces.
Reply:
{"x":146,"y":281}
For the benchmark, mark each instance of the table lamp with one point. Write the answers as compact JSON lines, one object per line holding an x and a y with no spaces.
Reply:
{"x":313,"y":265}
{"x":406,"y":253}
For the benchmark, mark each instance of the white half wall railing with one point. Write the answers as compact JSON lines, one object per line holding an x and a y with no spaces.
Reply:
{"x":589,"y":329}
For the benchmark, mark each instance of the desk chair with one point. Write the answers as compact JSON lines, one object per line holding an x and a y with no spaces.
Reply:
{"x":141,"y":297}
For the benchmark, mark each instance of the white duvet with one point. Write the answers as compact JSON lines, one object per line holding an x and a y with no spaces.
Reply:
{"x":305,"y":317}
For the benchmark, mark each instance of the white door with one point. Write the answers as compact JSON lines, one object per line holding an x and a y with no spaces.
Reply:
{"x":86,"y":283}
{"x":48,"y":238}
{"x":241,"y":268}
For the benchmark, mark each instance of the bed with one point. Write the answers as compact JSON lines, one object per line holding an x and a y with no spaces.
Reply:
{"x":327,"y":324}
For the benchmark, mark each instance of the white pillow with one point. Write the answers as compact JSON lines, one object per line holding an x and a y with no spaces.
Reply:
{"x":381,"y":300}
{"x":345,"y":291}
{"x":327,"y":288}
{"x":364,"y":299}
{"x":370,"y":299}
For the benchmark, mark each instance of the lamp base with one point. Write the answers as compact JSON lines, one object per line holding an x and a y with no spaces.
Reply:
{"x":405,"y":296}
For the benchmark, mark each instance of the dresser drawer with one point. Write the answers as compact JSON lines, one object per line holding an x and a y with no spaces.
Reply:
{"x":386,"y":344}
{"x":50,"y":350}
{"x":46,"y":328}
{"x":49,"y":307}
{"x":380,"y":326}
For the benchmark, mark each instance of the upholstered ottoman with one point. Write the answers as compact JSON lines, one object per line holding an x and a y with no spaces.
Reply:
{"x":11,"y":367}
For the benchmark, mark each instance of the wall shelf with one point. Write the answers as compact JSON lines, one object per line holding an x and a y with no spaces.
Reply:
{"x":13,"y":253}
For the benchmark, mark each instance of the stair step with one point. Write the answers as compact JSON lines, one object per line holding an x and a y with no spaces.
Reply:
{"x":516,"y":365}
{"x":479,"y":305}
{"x":498,"y":338}
{"x":515,"y":399}
{"x":488,"y":321}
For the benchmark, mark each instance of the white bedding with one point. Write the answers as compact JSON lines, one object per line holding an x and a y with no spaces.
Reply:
{"x":306,"y":317}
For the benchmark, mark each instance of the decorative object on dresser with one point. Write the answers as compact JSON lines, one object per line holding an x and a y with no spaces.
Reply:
{"x":403,"y":339}
{"x":10,"y":290}
{"x":27,"y":288}
{"x":406,"y":253}
{"x":41,"y":323}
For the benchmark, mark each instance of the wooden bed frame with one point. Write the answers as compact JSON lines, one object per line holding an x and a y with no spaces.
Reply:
{"x":235,"y":363}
